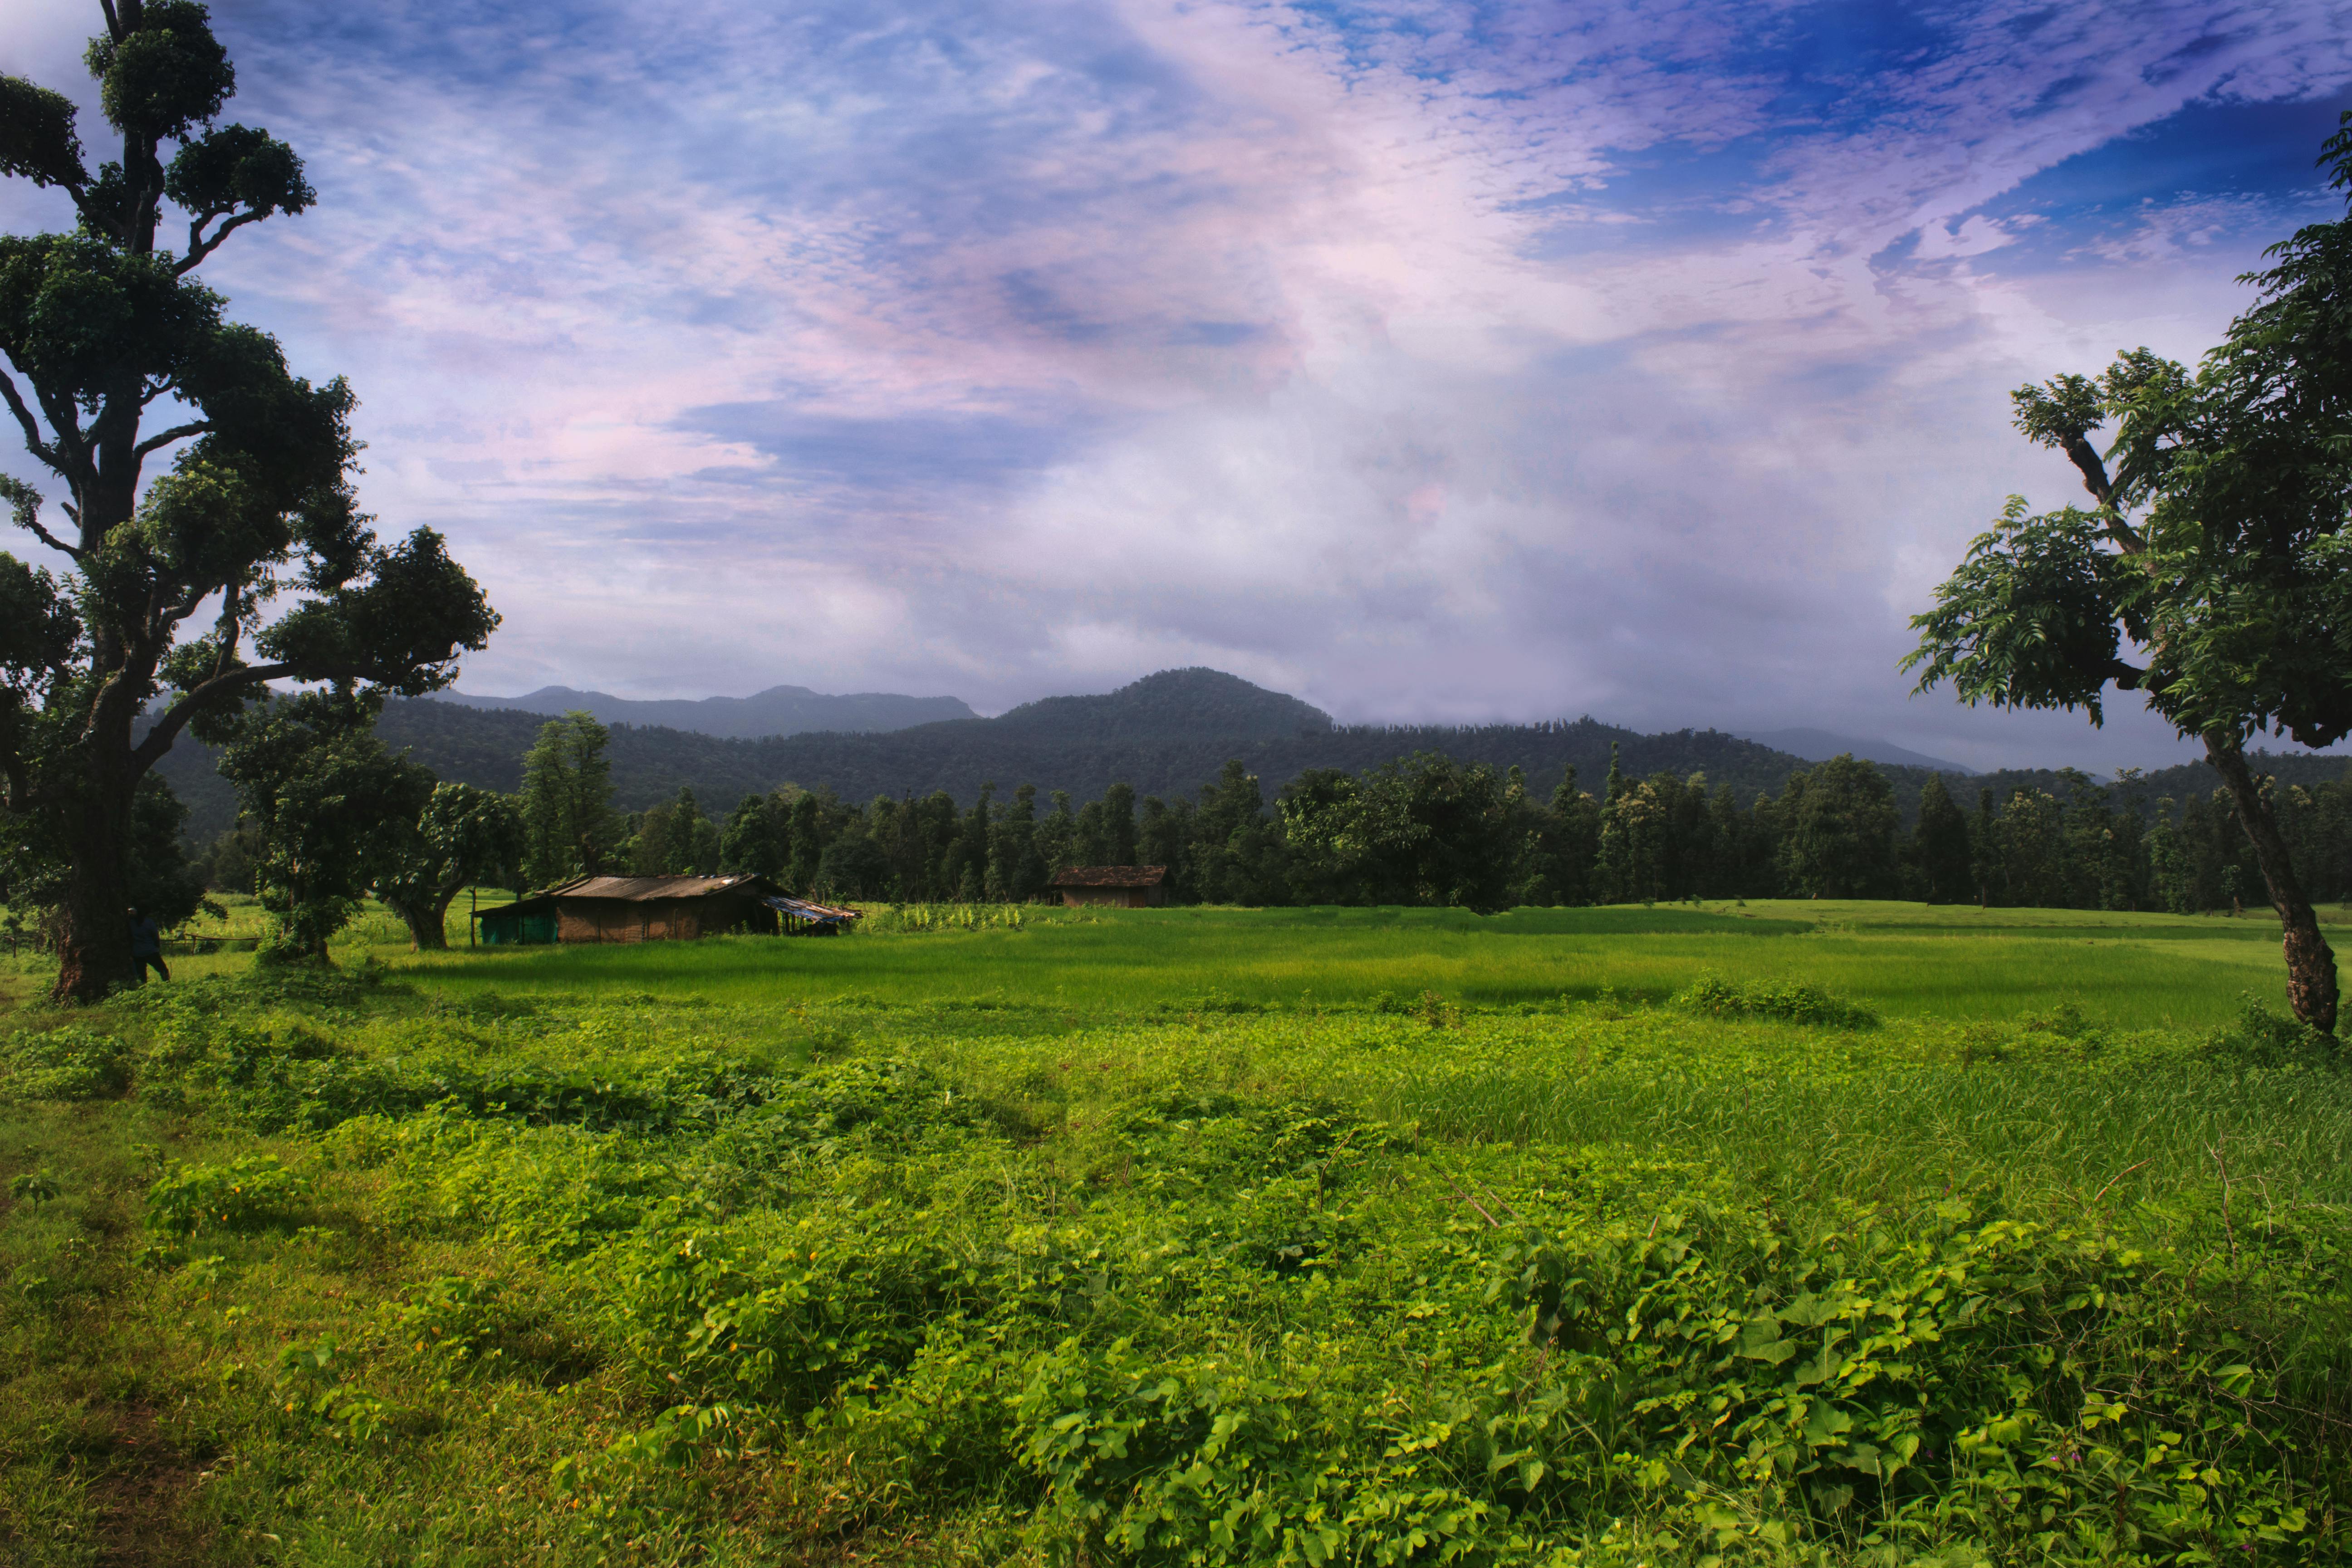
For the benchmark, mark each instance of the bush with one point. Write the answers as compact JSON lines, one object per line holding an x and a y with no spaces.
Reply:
{"x":2259,"y":1037}
{"x":192,"y":1198}
{"x":1793,"y":1003}
{"x":71,"y":1063}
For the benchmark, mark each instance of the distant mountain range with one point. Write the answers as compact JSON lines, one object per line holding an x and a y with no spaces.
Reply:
{"x":1166,"y":734}
{"x":1820,"y":745}
{"x":779,"y":710}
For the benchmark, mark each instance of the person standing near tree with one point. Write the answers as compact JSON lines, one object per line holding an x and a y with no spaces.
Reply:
{"x":147,"y":946}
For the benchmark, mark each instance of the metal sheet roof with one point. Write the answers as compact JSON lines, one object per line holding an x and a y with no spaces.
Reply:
{"x":637,"y":890}
{"x":1112,"y":876}
{"x":804,"y":908}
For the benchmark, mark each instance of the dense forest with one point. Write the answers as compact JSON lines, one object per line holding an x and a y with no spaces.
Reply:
{"x":1431,"y":829}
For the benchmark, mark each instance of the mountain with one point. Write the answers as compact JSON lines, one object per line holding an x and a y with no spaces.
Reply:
{"x":1166,"y":734}
{"x":1820,"y":745}
{"x":779,"y":710}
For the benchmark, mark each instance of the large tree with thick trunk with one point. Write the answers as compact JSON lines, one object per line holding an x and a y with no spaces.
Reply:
{"x":116,"y":356}
{"x":2213,"y":571}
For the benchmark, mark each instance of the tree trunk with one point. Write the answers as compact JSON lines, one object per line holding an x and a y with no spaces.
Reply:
{"x":2310,"y":962}
{"x":94,"y":937}
{"x":427,"y":923}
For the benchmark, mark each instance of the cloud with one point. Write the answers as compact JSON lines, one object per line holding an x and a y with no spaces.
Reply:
{"x":1430,"y":359}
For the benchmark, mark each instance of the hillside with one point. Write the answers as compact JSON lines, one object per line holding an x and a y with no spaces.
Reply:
{"x":1166,"y":734}
{"x":779,"y":710}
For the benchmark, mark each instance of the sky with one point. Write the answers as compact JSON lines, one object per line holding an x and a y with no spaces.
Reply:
{"x":1432,"y":361}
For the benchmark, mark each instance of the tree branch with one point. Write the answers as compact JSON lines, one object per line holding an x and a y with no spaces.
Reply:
{"x":177,"y":433}
{"x":19,"y":797}
{"x":70,"y":449}
{"x":199,"y":247}
{"x":228,"y":628}
{"x":32,"y":426}
{"x":2093,"y":468}
{"x":175,"y":718}
{"x":24,"y":511}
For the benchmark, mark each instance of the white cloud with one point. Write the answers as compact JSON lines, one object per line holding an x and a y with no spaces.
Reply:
{"x":1447,"y":361}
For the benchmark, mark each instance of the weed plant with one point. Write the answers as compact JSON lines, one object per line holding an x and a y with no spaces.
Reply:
{"x":390,"y":1268}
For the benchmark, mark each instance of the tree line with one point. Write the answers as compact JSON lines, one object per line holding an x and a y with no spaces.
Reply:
{"x":331,"y":815}
{"x":1429,"y":829}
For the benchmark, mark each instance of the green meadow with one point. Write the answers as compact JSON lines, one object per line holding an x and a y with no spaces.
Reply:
{"x":1791,"y":1233}
{"x":1908,"y":960}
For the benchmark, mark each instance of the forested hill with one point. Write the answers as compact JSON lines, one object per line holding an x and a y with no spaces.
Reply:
{"x":1166,"y":735}
{"x":779,"y":710}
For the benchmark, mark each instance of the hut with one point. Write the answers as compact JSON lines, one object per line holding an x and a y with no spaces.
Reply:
{"x":656,"y":908}
{"x":1121,"y":887}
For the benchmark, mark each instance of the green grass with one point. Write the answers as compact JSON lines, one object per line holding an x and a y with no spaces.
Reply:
{"x":1908,"y":960}
{"x":2134,"y":970}
{"x":1002,"y":1246}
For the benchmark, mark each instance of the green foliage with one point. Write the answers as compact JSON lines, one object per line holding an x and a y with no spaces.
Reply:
{"x":35,"y":864}
{"x":191,"y":1199}
{"x":334,"y":809}
{"x":1940,"y":847}
{"x":99,"y":677}
{"x":311,"y":1380}
{"x":569,"y":827}
{"x":1792,"y":1002}
{"x":1231,"y":1282}
{"x":2216,"y":546}
{"x":1838,"y":826}
{"x":33,"y":1187}
{"x":1421,"y":830}
{"x":2260,"y":1037}
{"x":462,"y":836}
{"x":71,"y":1062}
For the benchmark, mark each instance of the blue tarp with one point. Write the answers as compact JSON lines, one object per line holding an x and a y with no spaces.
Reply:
{"x":814,"y":914}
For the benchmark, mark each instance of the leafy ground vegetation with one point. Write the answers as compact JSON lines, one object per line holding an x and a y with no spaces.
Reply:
{"x":618,"y":1257}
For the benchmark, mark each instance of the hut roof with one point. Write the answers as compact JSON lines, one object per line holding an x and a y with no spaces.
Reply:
{"x":639,"y":889}
{"x":808,"y":909}
{"x":1112,"y":876}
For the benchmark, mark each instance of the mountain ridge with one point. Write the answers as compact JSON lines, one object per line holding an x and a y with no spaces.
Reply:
{"x":1165,"y":735}
{"x":778,"y":710}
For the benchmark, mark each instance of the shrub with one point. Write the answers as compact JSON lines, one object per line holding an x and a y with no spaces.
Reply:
{"x":1790,"y":1002}
{"x":189,"y":1199}
{"x":72,"y":1063}
{"x":2259,"y":1037}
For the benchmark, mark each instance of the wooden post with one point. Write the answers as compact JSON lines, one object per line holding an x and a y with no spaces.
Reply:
{"x":473,"y":914}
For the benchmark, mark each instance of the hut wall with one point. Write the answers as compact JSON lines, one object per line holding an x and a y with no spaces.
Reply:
{"x":659,"y":920}
{"x":1115,"y":898}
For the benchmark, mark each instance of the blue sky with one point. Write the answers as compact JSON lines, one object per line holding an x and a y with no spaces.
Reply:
{"x":1431,"y":361}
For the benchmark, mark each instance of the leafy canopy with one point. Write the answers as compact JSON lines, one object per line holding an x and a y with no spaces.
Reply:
{"x":2211,"y":573}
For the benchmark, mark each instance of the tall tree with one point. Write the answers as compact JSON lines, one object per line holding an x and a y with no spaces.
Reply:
{"x":463,"y":834}
{"x":569,"y":827}
{"x":759,"y":837}
{"x":1838,"y":833}
{"x":1984,"y":849}
{"x":116,"y":354}
{"x":2212,"y":553}
{"x":1940,"y":843}
{"x":333,"y":808}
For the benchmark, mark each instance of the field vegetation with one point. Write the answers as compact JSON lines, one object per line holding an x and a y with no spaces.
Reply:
{"x":1796,"y":1233}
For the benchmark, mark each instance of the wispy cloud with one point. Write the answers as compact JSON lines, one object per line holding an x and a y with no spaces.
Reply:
{"x":1432,"y":360}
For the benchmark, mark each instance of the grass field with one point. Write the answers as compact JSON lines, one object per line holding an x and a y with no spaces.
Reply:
{"x":1908,"y":960}
{"x":1793,"y":1233}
